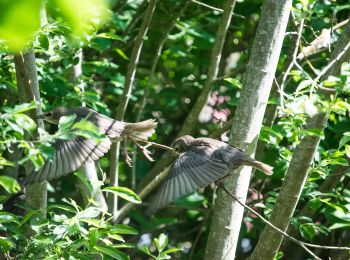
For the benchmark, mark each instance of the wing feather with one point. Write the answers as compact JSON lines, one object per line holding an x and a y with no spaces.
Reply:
{"x":188,"y":173}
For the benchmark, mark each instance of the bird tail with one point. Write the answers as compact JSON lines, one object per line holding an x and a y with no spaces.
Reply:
{"x":265,"y":168}
{"x":141,"y":130}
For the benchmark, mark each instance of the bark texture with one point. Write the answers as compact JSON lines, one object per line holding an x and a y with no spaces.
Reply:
{"x":28,"y":90}
{"x":297,"y":172}
{"x":227,"y":215}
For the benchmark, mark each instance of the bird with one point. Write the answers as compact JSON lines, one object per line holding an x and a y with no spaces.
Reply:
{"x":201,"y":161}
{"x":70,"y":155}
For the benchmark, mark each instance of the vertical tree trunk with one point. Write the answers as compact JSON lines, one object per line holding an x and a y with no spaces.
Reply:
{"x":124,"y":100}
{"x":89,"y":168}
{"x":227,"y":215}
{"x":28,"y":91}
{"x":303,"y":155}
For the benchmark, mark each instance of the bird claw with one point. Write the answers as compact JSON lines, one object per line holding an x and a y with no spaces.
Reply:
{"x":145,"y":151}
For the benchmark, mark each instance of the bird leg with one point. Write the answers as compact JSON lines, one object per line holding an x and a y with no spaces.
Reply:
{"x":219,"y":181}
{"x":144,"y":150}
{"x":126,"y":155}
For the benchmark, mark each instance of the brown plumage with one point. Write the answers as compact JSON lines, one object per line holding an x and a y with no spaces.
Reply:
{"x":72,"y":154}
{"x":201,"y":162}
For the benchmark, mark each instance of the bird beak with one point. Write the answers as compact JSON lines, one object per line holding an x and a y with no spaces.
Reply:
{"x":42,"y":116}
{"x":173,"y":153}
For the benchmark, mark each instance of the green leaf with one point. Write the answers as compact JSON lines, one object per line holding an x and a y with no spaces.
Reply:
{"x":123,"y":229}
{"x":66,"y":122}
{"x":23,"y":108}
{"x":90,"y":212}
{"x":345,"y":139}
{"x":9,"y":184}
{"x":44,"y":41}
{"x":5,"y":162}
{"x":6,"y":217}
{"x":19,"y":21}
{"x":25,"y":122}
{"x":112,"y":252}
{"x":307,"y":231}
{"x":161,"y":242}
{"x":6,"y":244}
{"x":62,"y":207}
{"x":235,"y":83}
{"x":124,"y":193}
{"x":171,"y":250}
{"x":339,"y":225}
{"x":109,"y":35}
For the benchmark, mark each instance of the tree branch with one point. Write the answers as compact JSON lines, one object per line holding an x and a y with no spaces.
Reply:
{"x":247,"y":121}
{"x":304,"y":245}
{"x":297,"y":172}
{"x":124,"y":100}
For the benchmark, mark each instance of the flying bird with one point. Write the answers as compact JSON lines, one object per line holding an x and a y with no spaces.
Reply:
{"x":72,"y":154}
{"x":201,"y":162}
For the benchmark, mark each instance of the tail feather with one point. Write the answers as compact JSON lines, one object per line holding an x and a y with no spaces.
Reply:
{"x":141,"y":130}
{"x":265,"y":168}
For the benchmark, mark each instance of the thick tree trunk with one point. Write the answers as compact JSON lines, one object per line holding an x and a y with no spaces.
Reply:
{"x":303,"y":155}
{"x":227,"y":215}
{"x":28,"y":91}
{"x":89,"y":168}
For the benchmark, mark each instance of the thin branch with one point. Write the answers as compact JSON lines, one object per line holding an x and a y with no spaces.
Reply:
{"x":152,"y":77}
{"x":124,"y":99}
{"x":298,"y":242}
{"x":330,"y":65}
{"x":291,"y":65}
{"x":215,"y":58}
{"x":215,"y":8}
{"x":222,"y":186}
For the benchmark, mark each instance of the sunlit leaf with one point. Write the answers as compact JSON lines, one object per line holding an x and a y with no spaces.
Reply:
{"x":124,"y":193}
{"x":83,"y":15}
{"x":19,"y":21}
{"x":9,"y":184}
{"x":112,"y":252}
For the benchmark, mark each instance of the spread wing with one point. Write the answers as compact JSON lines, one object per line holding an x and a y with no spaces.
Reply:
{"x":188,"y":173}
{"x":69,"y":156}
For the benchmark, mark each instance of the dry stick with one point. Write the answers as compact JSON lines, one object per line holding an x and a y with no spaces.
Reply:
{"x":124,"y":100}
{"x":221,"y":185}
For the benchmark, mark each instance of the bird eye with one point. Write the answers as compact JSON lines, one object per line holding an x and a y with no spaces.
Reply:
{"x":176,"y":149}
{"x":49,"y":114}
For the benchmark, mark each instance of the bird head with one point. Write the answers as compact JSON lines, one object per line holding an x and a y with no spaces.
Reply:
{"x":54,"y":115}
{"x":182,"y":144}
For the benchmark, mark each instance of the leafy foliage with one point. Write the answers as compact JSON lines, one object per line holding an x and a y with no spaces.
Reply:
{"x":79,"y":229}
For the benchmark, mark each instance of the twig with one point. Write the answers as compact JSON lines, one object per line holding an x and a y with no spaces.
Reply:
{"x":221,"y":185}
{"x":215,"y":8}
{"x":329,"y":66}
{"x":161,"y":146}
{"x":152,"y":78}
{"x":215,"y":58}
{"x":124,"y":99}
